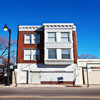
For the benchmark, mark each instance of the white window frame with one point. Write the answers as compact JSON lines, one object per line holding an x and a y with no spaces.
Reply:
{"x":34,"y":38}
{"x":67,"y":54}
{"x":67,"y":38}
{"x":52,"y":54}
{"x":51,"y":37}
{"x":25,"y":37}
{"x":35,"y":52}
{"x":25,"y":55}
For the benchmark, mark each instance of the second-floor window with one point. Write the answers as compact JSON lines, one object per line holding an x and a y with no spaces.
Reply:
{"x":65,"y":53}
{"x":51,"y":37}
{"x":52,"y":54}
{"x":36,"y":38}
{"x":65,"y":37}
{"x":32,"y":39}
{"x":28,"y":39}
{"x":30,"y":54}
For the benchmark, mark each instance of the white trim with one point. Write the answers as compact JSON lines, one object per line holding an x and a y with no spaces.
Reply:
{"x":32,"y":39}
{"x":47,"y":26}
{"x":59,"y":25}
{"x":30,"y":28}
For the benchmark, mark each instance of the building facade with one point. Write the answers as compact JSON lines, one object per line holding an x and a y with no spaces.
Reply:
{"x":47,"y":54}
{"x":88,"y":71}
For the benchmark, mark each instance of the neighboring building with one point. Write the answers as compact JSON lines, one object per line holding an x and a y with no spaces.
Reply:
{"x":47,"y":54}
{"x":90,"y":68}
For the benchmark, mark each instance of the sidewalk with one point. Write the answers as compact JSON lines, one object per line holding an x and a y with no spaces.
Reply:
{"x":47,"y":86}
{"x":40,"y":85}
{"x":91,"y":86}
{"x":34,"y":86}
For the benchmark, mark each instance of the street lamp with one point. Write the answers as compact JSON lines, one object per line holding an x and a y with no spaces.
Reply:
{"x":8,"y":66}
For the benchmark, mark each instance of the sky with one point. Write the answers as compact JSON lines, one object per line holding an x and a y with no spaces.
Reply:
{"x":85,"y":14}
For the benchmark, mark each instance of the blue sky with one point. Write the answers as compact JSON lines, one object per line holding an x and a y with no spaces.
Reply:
{"x":84,"y":13}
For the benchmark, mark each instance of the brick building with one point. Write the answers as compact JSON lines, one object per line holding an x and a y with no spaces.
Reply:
{"x":47,"y":54}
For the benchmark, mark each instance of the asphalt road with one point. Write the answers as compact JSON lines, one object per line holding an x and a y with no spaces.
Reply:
{"x":49,"y":93}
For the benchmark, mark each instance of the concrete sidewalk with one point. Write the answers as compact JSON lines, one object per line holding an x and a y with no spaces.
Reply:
{"x":39,"y":85}
{"x":34,"y":86}
{"x":91,"y":86}
{"x":47,"y":86}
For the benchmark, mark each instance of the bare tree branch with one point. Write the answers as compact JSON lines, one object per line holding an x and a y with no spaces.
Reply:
{"x":87,"y":56}
{"x":4,"y":48}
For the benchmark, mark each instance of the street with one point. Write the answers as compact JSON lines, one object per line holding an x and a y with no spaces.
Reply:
{"x":12,"y":93}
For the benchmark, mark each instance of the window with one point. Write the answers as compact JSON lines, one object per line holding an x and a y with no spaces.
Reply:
{"x":52,"y":54}
{"x":36,"y":54}
{"x":52,"y":37}
{"x":36,"y":38}
{"x":30,"y":54}
{"x":32,"y":38}
{"x":27,"y":54}
{"x":65,"y":53}
{"x":65,"y":37}
{"x":27,"y":38}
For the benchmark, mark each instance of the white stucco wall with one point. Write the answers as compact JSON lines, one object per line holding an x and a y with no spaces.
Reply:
{"x":55,"y":75}
{"x":89,"y":63}
{"x":58,"y":45}
{"x":46,"y":73}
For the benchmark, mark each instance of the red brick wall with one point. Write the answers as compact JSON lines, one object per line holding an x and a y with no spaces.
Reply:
{"x":21,"y":46}
{"x":56,"y":82}
{"x":75,"y":46}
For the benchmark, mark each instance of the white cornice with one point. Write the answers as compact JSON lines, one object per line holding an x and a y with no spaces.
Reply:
{"x":47,"y":26}
{"x":30,"y":28}
{"x":59,"y":25}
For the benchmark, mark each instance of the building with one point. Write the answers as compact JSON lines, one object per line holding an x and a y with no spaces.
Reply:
{"x":47,"y":54}
{"x":88,"y":71}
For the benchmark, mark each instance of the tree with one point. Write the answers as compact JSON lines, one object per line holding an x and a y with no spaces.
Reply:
{"x":4,"y":50}
{"x":87,"y":56}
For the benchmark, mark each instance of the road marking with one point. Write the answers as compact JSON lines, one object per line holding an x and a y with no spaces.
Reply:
{"x":87,"y":97}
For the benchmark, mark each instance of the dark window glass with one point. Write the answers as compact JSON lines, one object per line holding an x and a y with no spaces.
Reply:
{"x":52,"y":54}
{"x":65,"y":53}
